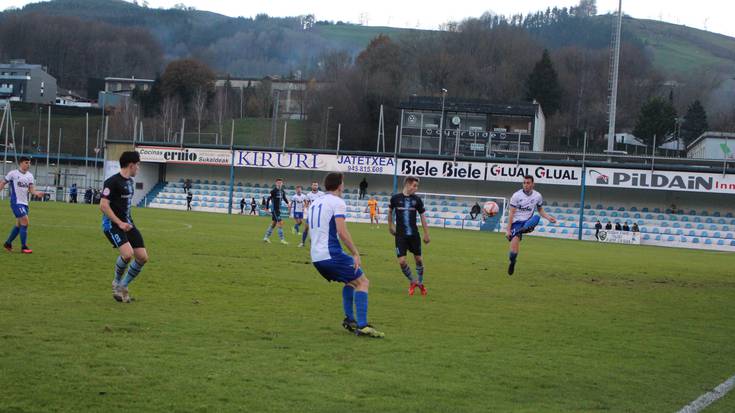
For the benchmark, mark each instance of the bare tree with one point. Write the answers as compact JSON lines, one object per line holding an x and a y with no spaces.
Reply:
{"x":200,"y":104}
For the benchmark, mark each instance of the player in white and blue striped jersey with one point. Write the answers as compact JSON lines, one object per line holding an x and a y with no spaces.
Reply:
{"x":521,"y":218}
{"x":21,"y":185}
{"x":298,"y":202}
{"x":328,"y":227}
{"x":312,"y":196}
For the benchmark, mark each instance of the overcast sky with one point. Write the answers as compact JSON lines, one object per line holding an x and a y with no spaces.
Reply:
{"x":713,"y":15}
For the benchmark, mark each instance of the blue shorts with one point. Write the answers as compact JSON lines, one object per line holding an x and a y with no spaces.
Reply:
{"x":298,"y":215}
{"x":276,"y":216}
{"x":339,"y":268}
{"x":19,"y":210}
{"x":516,"y":226}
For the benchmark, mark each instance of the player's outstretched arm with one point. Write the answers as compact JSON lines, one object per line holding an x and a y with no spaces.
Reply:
{"x":33,"y":191}
{"x":548,"y":217}
{"x":346,"y":238}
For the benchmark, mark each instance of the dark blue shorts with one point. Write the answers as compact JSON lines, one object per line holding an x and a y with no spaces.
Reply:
{"x":298,"y":215}
{"x":339,"y":268}
{"x":276,"y":216}
{"x":19,"y":210}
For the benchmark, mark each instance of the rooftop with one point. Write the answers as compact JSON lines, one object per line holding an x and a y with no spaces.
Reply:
{"x":430,"y":103}
{"x":713,"y":135}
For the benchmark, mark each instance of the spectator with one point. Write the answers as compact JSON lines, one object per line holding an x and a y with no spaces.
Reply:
{"x":475,"y":211}
{"x":363,"y":187}
{"x":626,"y":228}
{"x":598,"y":227}
{"x":673,"y":209}
{"x":189,"y":197}
{"x":96,"y":197}
{"x":88,"y":195}
{"x":617,"y":226}
{"x":73,"y":194}
{"x":608,"y":226}
{"x":264,"y":204}
{"x":635,"y":227}
{"x":242,"y":205}
{"x":187,"y":185}
{"x":253,"y":207}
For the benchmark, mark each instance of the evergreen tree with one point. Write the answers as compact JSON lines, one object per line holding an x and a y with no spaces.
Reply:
{"x":695,"y":122}
{"x":543,"y":85}
{"x":657,"y":118}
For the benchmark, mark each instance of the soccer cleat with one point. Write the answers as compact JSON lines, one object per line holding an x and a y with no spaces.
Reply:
{"x":121,"y":295}
{"x":26,"y":250}
{"x":511,"y":268}
{"x":266,"y":240}
{"x":349,"y":325}
{"x":423,"y":289}
{"x":284,"y":242}
{"x":412,"y":288}
{"x":8,"y":247}
{"x":301,"y":244}
{"x":114,"y":287}
{"x":369,"y":331}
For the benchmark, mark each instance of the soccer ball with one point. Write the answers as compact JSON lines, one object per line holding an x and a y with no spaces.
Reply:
{"x":490,"y":208}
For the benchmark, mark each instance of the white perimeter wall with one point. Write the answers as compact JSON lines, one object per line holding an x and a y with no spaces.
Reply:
{"x":378,"y":183}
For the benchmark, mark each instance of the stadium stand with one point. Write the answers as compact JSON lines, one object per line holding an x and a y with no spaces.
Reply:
{"x":702,"y":229}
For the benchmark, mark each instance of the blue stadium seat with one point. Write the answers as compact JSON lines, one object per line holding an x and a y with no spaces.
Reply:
{"x":670,"y":238}
{"x":700,"y":226}
{"x":542,"y":229}
{"x":644,"y":209}
{"x":682,"y":240}
{"x":716,"y":214}
{"x":692,"y":233}
{"x":708,"y":241}
{"x":633,"y":209}
{"x":658,"y":237}
{"x":688,"y":225}
{"x":649,"y":216}
{"x":553,"y":231}
{"x":728,"y":215}
{"x":646,"y":237}
{"x":729,"y":235}
{"x":732,"y":243}
{"x":695,"y":241}
{"x":709,"y":221}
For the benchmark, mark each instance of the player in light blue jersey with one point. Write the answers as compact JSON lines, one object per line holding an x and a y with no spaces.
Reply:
{"x":521,"y":218}
{"x":328,"y":227}
{"x":21,"y":185}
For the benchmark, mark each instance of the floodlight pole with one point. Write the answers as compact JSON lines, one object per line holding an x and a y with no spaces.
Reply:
{"x":614,"y":78}
{"x":584,"y":188}
{"x":441,"y":121}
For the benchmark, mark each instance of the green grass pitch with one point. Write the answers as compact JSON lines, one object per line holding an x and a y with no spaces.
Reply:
{"x":223,"y":322}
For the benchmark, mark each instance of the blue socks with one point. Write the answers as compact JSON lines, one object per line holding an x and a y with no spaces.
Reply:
{"x":512,"y":256}
{"x":133,"y":271}
{"x":420,"y":272}
{"x":407,"y":272}
{"x":280,"y":233}
{"x":296,"y":227}
{"x":348,"y":300}
{"x":304,"y":235}
{"x":14,"y":233}
{"x":23,"y":235}
{"x":269,"y":232}
{"x":361,"y":304}
{"x":120,"y":266}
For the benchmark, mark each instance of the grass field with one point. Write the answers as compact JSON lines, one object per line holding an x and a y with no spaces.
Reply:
{"x":223,"y":322}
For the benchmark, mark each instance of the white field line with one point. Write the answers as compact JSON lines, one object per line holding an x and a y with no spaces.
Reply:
{"x":710,"y":397}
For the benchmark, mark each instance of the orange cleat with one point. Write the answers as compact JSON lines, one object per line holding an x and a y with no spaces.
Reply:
{"x":8,"y":247}
{"x":423,"y":289}
{"x":412,"y":288}
{"x":26,"y":250}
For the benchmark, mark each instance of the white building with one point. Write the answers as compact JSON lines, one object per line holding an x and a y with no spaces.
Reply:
{"x":713,"y":145}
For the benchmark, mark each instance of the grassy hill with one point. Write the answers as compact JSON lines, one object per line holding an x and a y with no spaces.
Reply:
{"x":676,"y":49}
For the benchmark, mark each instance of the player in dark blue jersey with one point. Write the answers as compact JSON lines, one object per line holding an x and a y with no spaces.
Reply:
{"x":407,"y":206}
{"x":278,"y":196}
{"x":118,"y":226}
